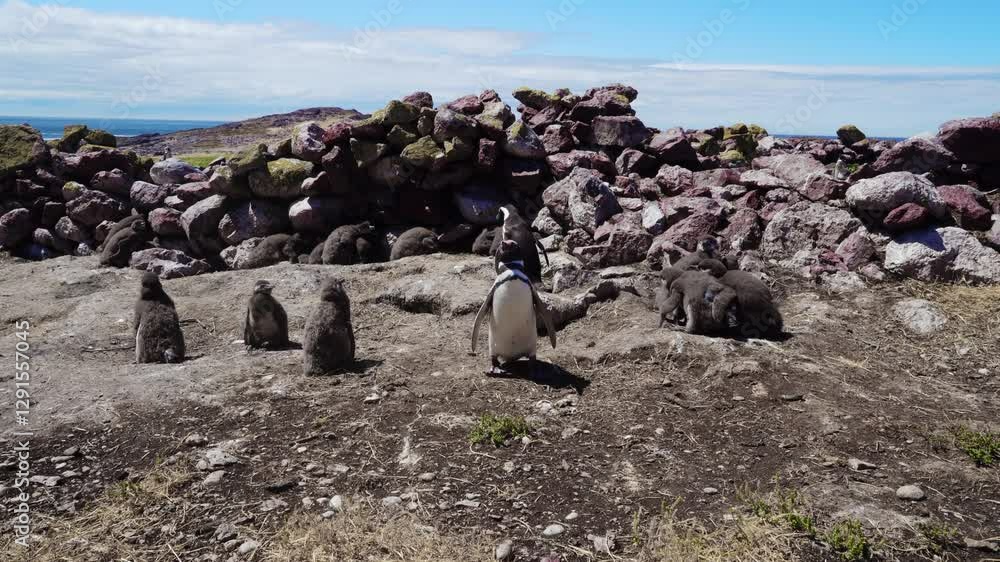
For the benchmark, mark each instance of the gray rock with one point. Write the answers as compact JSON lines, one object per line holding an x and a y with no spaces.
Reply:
{"x":317,"y":214}
{"x":545,"y":223}
{"x":201,"y":224}
{"x":910,"y":493}
{"x":794,"y":169}
{"x":171,"y":171}
{"x":807,"y":227}
{"x":553,"y":530}
{"x":920,"y":316}
{"x":236,"y":257}
{"x":942,"y":254}
{"x":92,"y":207}
{"x":168,"y":264}
{"x":147,"y":196}
{"x":875,"y":197}
{"x":619,"y":130}
{"x":15,"y":227}
{"x":307,"y":142}
{"x":522,"y":142}
{"x":504,"y":551}
{"x":213,"y":479}
{"x":253,"y":219}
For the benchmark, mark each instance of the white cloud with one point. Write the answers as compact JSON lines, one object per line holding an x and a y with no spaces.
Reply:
{"x":67,"y":59}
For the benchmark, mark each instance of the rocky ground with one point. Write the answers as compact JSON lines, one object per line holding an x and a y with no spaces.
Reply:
{"x":641,"y":443}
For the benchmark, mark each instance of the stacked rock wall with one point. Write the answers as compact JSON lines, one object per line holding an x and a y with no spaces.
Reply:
{"x":594,"y":179}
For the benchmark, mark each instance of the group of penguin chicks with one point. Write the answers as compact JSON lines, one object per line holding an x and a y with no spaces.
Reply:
{"x":710,"y":295}
{"x":328,"y":344}
{"x":705,"y":291}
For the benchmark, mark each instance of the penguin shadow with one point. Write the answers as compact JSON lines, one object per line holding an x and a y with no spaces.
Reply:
{"x":290,"y":346}
{"x":356,"y":367}
{"x":542,"y":373}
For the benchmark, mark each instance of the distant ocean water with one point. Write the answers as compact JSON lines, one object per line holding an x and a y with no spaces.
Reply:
{"x":52,"y":127}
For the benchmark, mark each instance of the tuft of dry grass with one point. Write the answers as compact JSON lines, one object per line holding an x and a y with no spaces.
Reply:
{"x":750,"y":539}
{"x":361,"y":533}
{"x":110,"y":529}
{"x":975,"y":307}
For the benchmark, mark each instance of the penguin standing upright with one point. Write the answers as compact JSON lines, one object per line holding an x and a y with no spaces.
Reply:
{"x":513,"y":305}
{"x":516,"y":228}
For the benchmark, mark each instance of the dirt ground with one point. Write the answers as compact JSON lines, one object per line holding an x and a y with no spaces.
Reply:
{"x":644,"y":443}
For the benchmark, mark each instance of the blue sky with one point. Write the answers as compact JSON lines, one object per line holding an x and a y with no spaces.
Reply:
{"x":894,"y":67}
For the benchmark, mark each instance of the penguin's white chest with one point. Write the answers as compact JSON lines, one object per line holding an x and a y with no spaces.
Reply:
{"x":513,"y":332}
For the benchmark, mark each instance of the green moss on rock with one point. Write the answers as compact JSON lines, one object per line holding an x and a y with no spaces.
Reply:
{"x":72,"y":135}
{"x":20,"y":147}
{"x":281,"y":179}
{"x":248,"y":160}
{"x":735,"y":129}
{"x":458,"y":149}
{"x":101,"y":138}
{"x":757,"y":131}
{"x":366,"y":153}
{"x":401,"y":135}
{"x":732,"y":156}
{"x":850,"y":134}
{"x":535,"y":99}
{"x":398,"y":112}
{"x":422,"y":153}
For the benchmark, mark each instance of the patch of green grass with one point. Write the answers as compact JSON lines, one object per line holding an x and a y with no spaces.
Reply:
{"x":853,"y":167}
{"x":848,"y":538}
{"x":983,"y":447}
{"x":938,"y":535}
{"x":498,"y":429}
{"x":782,"y":506}
{"x":200,"y":160}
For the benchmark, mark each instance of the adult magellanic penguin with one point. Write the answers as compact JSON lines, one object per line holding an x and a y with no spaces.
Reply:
{"x":515,"y":228}
{"x":512,"y":305}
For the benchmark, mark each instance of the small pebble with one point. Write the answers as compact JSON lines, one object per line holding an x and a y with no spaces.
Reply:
{"x":710,"y":491}
{"x":553,"y":530}
{"x":504,"y":551}
{"x":572,"y":515}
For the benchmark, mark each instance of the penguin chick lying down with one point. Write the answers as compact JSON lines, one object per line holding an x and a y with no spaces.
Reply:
{"x":512,"y":305}
{"x":696,"y":296}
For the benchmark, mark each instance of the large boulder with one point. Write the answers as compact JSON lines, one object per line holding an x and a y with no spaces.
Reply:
{"x":522,"y":142}
{"x":674,"y":179}
{"x":686,"y":232}
{"x":92,"y":207}
{"x":673,"y":147}
{"x":942,"y":254}
{"x":623,"y":240}
{"x":565,"y":162}
{"x":975,"y":140}
{"x":479,"y":203}
{"x":248,"y":160}
{"x":282,"y":179}
{"x":147,"y":196}
{"x":201,"y":225}
{"x":449,"y":124}
{"x":15,"y":227}
{"x":317,"y":214}
{"x":166,"y":222}
{"x":67,"y":229}
{"x":967,"y":206}
{"x":622,"y":131}
{"x":794,"y":169}
{"x":424,"y":153}
{"x":171,"y":171}
{"x":115,"y":182}
{"x":84,"y":166}
{"x":744,"y":231}
{"x":917,"y":155}
{"x":253,"y":219}
{"x":806,"y":226}
{"x":20,"y":147}
{"x":398,"y":112}
{"x":307,"y":142}
{"x":874,"y":198}
{"x":168,"y":264}
{"x":238,"y":257}
{"x":581,"y":200}
{"x":850,"y":134}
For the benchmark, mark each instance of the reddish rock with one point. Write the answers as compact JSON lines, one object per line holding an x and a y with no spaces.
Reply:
{"x":558,"y":138}
{"x":563,"y":163}
{"x":15,"y":227}
{"x":822,"y":187}
{"x":855,"y":251}
{"x":916,"y":155}
{"x":632,"y":161}
{"x":687,"y":232}
{"x":674,"y":179}
{"x":750,"y":200}
{"x":420,"y":99}
{"x":619,"y":131}
{"x":166,"y":222}
{"x":600,"y":102}
{"x":337,"y":133}
{"x":966,"y":206}
{"x":673,"y":147}
{"x":486,"y":156}
{"x":91,"y":207}
{"x":469,"y":105}
{"x":975,"y":140}
{"x":676,"y":209}
{"x":624,"y":242}
{"x":662,"y":252}
{"x":744,"y":231}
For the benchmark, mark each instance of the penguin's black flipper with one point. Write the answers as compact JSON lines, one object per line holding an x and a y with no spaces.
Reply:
{"x":544,"y":253}
{"x":480,"y":316}
{"x":543,"y":312}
